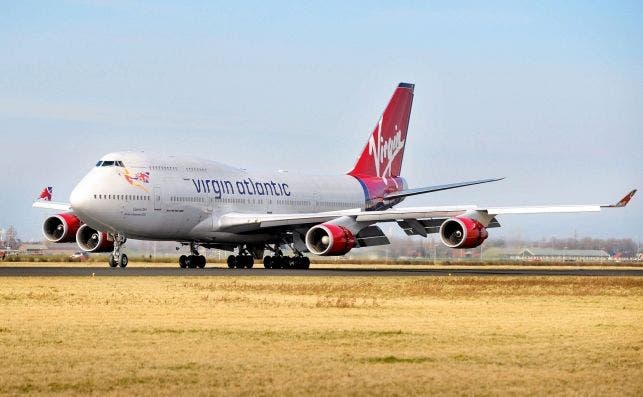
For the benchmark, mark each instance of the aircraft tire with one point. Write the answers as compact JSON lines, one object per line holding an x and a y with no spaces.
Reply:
{"x":297,"y":262}
{"x":192,"y":261}
{"x":123,"y":261}
{"x":242,"y":261}
{"x":232,"y":261}
{"x":267,"y":262}
{"x":305,"y":262}
{"x":283,"y":262}
{"x":276,"y":262}
{"x":112,"y":262}
{"x":183,"y":261}
{"x":250,"y":262}
{"x":239,"y":262}
{"x":201,"y":261}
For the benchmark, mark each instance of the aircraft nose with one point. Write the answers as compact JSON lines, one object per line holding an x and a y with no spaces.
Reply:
{"x":79,"y":198}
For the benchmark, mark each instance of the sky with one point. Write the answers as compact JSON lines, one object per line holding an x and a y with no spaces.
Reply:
{"x":546,"y":94}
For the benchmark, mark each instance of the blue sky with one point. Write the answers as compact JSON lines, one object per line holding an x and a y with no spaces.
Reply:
{"x":547,"y":94}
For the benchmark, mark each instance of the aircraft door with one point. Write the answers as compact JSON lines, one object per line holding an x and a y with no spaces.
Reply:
{"x":215,"y":210}
{"x":157,"y":198}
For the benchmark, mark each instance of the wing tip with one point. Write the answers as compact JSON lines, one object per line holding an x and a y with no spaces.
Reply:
{"x":624,"y":201}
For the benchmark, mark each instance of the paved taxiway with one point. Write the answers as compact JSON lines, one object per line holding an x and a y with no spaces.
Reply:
{"x":165,"y":271}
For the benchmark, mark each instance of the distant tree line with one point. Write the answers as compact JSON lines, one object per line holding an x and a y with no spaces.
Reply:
{"x":417,"y":247}
{"x":625,"y":247}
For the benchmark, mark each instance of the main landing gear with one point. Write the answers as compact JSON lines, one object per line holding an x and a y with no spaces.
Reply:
{"x":117,"y":258}
{"x":279,"y":261}
{"x":192,"y":261}
{"x":244,"y":259}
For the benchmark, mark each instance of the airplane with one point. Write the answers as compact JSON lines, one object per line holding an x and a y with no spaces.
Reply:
{"x":204,"y":203}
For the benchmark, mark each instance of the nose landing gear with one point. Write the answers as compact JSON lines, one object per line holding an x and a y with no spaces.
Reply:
{"x":117,"y":258}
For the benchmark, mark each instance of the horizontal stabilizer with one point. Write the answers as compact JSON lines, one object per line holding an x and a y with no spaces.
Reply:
{"x":430,"y":189}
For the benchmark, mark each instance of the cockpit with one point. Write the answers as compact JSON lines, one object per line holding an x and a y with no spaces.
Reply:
{"x":109,"y":163}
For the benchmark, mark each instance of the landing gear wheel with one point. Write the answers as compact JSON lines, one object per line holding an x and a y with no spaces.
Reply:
{"x":280,"y":262}
{"x":248,"y":261}
{"x":193,"y":261}
{"x":123,"y":261}
{"x":232,"y":261}
{"x":276,"y":262}
{"x":241,"y":261}
{"x":293,"y":263}
{"x":301,"y":262}
{"x":183,"y":261}
{"x":112,"y":262}
{"x":267,"y":262}
{"x":296,"y":263}
{"x":201,"y":261}
{"x":305,"y":262}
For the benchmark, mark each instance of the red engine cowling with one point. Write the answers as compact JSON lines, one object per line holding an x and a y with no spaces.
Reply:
{"x":91,"y":240}
{"x":328,"y":239}
{"x":462,"y":232}
{"x":61,"y":228}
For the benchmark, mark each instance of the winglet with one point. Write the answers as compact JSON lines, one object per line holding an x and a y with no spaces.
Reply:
{"x":623,"y":202}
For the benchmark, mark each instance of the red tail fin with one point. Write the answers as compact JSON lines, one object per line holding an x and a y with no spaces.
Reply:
{"x":382,"y":155}
{"x":46,"y":193}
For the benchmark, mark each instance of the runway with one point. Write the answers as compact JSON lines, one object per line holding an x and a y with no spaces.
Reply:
{"x":321,"y":272}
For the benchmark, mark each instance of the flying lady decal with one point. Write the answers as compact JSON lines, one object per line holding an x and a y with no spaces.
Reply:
{"x":137,"y":180}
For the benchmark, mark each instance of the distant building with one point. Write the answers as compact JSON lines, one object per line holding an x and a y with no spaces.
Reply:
{"x":550,"y":254}
{"x":32,"y":249}
{"x":500,"y":253}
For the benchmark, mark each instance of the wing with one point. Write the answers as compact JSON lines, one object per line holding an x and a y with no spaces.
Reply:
{"x":413,"y":220}
{"x":240,"y":222}
{"x":438,"y":188}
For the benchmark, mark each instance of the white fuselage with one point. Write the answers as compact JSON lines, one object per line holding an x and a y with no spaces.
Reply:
{"x":179,"y":198}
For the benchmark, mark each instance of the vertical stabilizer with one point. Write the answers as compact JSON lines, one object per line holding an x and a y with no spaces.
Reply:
{"x":382,"y":155}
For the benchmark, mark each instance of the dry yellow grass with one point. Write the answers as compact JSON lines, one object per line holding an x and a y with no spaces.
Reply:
{"x":322,"y":336}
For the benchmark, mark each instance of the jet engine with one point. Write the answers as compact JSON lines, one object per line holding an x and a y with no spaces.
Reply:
{"x":91,"y":240}
{"x":462,"y":232}
{"x":328,"y":239}
{"x":61,"y":228}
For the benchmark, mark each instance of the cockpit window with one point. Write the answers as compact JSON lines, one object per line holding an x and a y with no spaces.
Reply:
{"x":116,"y":163}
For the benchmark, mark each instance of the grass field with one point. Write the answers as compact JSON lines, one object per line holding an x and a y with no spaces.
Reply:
{"x":322,"y":336}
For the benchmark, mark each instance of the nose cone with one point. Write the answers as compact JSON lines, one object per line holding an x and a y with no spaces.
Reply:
{"x":79,"y":199}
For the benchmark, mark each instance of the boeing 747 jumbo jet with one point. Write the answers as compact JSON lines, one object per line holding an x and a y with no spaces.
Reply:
{"x":203,"y":203}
